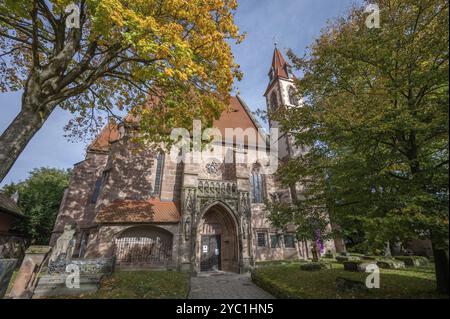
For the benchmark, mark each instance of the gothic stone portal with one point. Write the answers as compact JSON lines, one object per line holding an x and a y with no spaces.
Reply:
{"x":218,"y":241}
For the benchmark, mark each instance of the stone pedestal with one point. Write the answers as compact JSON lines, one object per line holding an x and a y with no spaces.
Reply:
{"x":6,"y":270}
{"x":34,"y":256}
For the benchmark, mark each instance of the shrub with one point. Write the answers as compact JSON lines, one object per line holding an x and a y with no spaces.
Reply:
{"x":275,"y":262}
{"x":329,"y":254}
{"x":314,"y":266}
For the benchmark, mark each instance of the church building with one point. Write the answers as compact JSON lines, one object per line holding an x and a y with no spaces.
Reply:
{"x":145,"y":210}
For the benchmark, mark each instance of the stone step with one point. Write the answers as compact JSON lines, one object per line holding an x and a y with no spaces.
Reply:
{"x":55,"y":285}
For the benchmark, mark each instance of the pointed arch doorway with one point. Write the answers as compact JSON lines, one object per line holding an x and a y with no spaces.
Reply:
{"x":218,"y":240}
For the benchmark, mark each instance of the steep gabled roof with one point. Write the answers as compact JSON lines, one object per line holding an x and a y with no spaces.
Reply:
{"x":237,"y":115}
{"x":108,"y":134}
{"x":279,"y":65}
{"x":278,"y":69}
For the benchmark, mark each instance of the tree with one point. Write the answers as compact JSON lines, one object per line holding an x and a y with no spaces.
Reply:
{"x":312,"y":224}
{"x":40,"y":196}
{"x":91,"y":56}
{"x":375,"y":116}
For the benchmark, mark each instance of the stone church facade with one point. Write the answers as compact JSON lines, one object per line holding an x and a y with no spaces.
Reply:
{"x":146,"y":210}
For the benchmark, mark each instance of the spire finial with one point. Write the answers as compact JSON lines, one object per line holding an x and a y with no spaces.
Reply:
{"x":275,"y":41}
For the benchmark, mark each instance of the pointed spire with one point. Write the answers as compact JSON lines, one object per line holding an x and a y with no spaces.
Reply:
{"x":279,"y":65}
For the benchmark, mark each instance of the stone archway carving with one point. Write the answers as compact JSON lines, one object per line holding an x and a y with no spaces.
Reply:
{"x":218,"y":220}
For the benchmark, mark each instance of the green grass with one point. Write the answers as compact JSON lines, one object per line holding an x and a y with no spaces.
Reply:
{"x":142,"y":285}
{"x":288,"y":281}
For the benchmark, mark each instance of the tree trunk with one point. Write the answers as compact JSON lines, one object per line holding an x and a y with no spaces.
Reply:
{"x":442,"y":271}
{"x":16,"y":137}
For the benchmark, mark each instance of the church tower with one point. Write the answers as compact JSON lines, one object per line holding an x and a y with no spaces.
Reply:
{"x":280,"y":93}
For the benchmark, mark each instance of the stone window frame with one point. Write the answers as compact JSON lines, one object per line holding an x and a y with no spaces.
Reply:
{"x":264,"y":233}
{"x":258,"y":185}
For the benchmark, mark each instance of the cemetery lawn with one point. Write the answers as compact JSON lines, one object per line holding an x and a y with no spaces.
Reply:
{"x":288,"y":281}
{"x":142,"y":285}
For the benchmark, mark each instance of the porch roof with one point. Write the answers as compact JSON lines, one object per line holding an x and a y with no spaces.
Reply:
{"x":139,"y":211}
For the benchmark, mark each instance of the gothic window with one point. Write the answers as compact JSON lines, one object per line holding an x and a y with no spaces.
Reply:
{"x":261,"y":239}
{"x":273,"y":100}
{"x":289,"y":241}
{"x":293,"y":99}
{"x":258,"y":185}
{"x":158,"y":174}
{"x":98,"y":184}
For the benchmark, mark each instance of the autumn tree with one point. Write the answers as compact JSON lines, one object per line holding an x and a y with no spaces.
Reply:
{"x":39,"y":198}
{"x":96,"y":57}
{"x":375,"y":117}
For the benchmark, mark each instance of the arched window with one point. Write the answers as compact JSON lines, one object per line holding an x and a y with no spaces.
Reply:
{"x":258,"y":185}
{"x":293,"y":98}
{"x":273,"y":100}
{"x":158,"y":174}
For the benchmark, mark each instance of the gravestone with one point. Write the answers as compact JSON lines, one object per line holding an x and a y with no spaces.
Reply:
{"x":6,"y":270}
{"x":34,"y":257}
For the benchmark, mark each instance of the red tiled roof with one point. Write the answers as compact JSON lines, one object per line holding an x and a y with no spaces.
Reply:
{"x":237,"y":115}
{"x":108,"y":134}
{"x":279,"y":68}
{"x":139,"y":211}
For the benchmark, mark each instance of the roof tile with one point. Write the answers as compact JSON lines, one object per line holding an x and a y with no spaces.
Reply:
{"x":139,"y":211}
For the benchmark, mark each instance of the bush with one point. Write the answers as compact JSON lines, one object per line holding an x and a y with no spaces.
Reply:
{"x":413,"y":261}
{"x":329,"y":254}
{"x":275,"y":262}
{"x":314,"y":266}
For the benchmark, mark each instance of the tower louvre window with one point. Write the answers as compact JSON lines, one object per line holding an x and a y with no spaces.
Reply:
{"x":158,"y":174}
{"x":293,"y":99}
{"x":274,"y":100}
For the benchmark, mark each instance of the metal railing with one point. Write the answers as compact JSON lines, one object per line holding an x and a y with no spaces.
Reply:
{"x":143,"y":250}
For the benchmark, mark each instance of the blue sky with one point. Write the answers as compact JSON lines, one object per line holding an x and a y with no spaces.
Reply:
{"x":293,"y":23}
